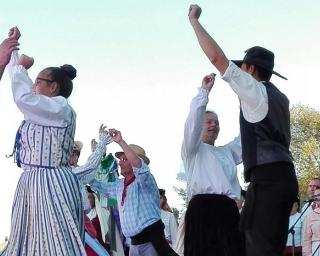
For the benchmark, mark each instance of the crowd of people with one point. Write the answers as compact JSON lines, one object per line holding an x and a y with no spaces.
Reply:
{"x":61,"y":208}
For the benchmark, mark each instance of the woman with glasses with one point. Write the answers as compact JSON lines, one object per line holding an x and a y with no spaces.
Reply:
{"x":47,"y":215}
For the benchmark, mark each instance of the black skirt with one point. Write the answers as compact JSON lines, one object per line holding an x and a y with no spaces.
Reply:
{"x":212,"y":227}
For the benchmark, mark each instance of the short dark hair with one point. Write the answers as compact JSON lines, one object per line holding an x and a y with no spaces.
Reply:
{"x":211,"y":112}
{"x":263,"y":74}
{"x":76,"y":152}
{"x":89,"y":189}
{"x":63,"y":76}
{"x":162,"y":192}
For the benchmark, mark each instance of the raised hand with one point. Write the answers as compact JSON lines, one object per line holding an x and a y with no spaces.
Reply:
{"x":6,"y":48}
{"x":94,"y":144}
{"x":103,"y":129}
{"x":194,"y":11}
{"x":115,"y":135}
{"x":25,"y":61}
{"x":208,"y":81}
{"x":14,"y":33}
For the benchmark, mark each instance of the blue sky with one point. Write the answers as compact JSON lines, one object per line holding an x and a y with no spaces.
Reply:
{"x":139,"y":65}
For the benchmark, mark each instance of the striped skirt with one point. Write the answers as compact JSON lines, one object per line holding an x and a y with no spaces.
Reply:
{"x":47,"y":214}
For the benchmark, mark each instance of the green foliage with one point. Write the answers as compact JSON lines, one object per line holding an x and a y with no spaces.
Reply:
{"x":176,"y":213}
{"x":305,"y":144}
{"x":182,"y":192}
{"x":305,"y":147}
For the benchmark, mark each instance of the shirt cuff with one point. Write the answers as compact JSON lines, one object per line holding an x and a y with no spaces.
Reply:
{"x":105,"y":138}
{"x":203,"y":92}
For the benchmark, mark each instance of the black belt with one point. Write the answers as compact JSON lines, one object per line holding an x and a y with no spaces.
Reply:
{"x":155,"y":235}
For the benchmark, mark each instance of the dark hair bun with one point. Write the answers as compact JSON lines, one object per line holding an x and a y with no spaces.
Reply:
{"x":69,"y":70}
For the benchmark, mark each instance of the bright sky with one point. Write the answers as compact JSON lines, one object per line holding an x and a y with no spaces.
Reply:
{"x":139,"y":65}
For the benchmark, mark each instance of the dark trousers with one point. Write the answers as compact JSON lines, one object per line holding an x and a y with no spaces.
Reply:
{"x":154,"y":234}
{"x":212,"y":227}
{"x":265,"y":215}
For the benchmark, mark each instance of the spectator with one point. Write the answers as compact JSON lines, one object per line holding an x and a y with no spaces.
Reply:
{"x":313,"y":185}
{"x":293,"y":246}
{"x":99,"y":217}
{"x":311,"y":236}
{"x":168,"y":219}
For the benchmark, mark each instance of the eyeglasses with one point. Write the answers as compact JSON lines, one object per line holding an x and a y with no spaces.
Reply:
{"x":39,"y":79}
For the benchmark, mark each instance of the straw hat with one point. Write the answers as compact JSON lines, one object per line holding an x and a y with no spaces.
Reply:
{"x":138,"y":150}
{"x":77,"y":145}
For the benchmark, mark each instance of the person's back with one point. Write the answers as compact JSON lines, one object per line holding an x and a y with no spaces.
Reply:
{"x":272,"y":138}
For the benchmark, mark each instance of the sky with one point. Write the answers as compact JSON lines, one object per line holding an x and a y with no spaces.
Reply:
{"x":139,"y":65}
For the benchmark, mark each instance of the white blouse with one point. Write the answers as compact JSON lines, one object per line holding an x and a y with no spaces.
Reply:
{"x":39,"y":109}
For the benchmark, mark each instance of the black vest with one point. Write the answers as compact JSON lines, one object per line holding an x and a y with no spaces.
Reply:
{"x":267,"y":141}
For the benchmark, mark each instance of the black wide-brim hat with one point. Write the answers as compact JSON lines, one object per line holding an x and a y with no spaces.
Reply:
{"x":260,"y":57}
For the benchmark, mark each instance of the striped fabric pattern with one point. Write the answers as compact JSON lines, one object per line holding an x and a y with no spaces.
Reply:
{"x":141,"y":205}
{"x":47,"y":214}
{"x":45,"y":146}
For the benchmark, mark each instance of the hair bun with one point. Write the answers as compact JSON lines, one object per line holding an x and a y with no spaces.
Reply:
{"x":69,"y":70}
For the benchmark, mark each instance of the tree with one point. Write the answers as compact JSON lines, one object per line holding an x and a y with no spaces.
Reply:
{"x":182,"y":192}
{"x":305,"y":147}
{"x":176,"y":213}
{"x":305,"y":144}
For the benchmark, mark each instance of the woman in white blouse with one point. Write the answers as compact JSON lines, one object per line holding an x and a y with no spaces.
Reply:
{"x":47,"y":215}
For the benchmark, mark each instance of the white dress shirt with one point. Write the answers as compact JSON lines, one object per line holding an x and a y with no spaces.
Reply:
{"x":209,"y":169}
{"x":252,"y":94}
{"x":170,"y":226}
{"x":297,"y":230}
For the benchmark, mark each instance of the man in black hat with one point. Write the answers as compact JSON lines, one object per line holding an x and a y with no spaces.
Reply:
{"x":265,"y":137}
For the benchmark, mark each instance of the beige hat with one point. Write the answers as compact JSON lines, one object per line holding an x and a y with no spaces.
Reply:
{"x":138,"y":150}
{"x":77,"y":145}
